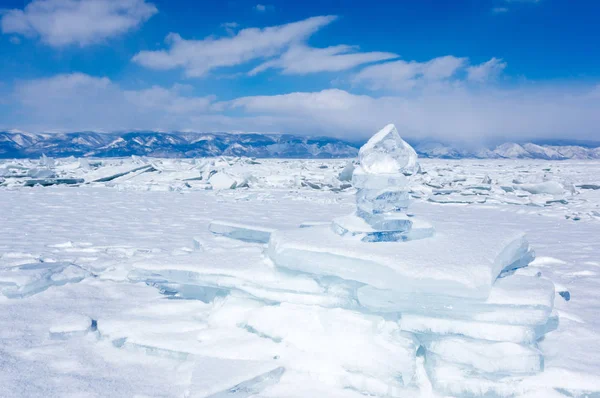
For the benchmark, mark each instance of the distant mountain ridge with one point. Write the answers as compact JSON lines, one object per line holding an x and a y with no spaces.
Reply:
{"x":509,"y":150}
{"x":18,"y":144}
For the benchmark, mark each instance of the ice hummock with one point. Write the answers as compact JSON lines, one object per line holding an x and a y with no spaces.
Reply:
{"x":454,"y":291}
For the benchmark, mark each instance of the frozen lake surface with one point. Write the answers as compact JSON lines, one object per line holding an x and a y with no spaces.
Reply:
{"x":112,"y":283}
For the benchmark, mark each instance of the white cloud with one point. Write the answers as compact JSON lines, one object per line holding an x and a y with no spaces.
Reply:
{"x":403,"y":75}
{"x":197,"y":57}
{"x":486,"y":71}
{"x":230,"y":27}
{"x":460,"y":113}
{"x":79,"y":101}
{"x":499,"y":10}
{"x":83,"y":22}
{"x":301,"y":59}
{"x":260,"y":7}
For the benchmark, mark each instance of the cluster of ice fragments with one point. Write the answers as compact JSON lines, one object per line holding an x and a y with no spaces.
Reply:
{"x":365,"y":307}
{"x":566,"y":189}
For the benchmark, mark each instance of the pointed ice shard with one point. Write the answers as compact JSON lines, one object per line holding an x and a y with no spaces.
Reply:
{"x":387,"y":153}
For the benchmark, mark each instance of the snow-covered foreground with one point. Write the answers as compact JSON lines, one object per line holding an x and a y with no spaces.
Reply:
{"x":118,"y":287}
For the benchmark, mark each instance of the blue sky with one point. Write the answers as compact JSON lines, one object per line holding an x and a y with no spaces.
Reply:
{"x":463,"y":70}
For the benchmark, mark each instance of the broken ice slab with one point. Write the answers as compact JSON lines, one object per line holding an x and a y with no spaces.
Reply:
{"x":206,"y":294}
{"x":485,"y":356}
{"x":221,"y":378}
{"x":40,"y":173}
{"x":444,"y":191}
{"x":461,"y":381}
{"x":222,"y":180}
{"x":457,"y":199}
{"x":589,"y":186}
{"x":45,"y":182}
{"x":478,"y":187}
{"x":194,"y":275}
{"x":346,"y":173}
{"x":106,"y":174}
{"x":29,"y":279}
{"x":310,"y":224}
{"x":384,"y":228}
{"x":71,"y":325}
{"x":516,"y":300}
{"x":463,"y":264}
{"x":162,"y":328}
{"x":243,"y":232}
{"x":250,"y":388}
{"x":546,"y":187}
{"x":427,"y":325}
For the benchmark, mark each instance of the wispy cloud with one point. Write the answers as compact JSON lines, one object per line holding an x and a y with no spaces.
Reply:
{"x":261,"y":7}
{"x":197,"y":57}
{"x":486,"y":71}
{"x":301,"y":59}
{"x":499,"y":10}
{"x":65,"y":22}
{"x":230,"y":27}
{"x":402,"y":75}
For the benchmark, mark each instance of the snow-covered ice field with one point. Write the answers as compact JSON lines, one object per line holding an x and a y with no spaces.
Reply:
{"x":113,"y":285}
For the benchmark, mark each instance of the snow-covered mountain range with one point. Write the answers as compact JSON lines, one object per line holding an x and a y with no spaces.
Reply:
{"x":19,"y":144}
{"x":510,"y":150}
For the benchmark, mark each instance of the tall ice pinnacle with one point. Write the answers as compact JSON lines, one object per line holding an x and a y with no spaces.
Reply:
{"x":382,"y":197}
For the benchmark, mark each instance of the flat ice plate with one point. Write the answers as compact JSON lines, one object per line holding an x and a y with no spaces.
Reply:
{"x":460,"y":263}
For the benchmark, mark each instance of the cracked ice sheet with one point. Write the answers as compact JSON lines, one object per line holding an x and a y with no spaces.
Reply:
{"x":124,"y":227}
{"x":219,"y":266}
{"x":34,"y":364}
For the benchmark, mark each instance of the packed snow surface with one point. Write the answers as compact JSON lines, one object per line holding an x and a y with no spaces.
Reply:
{"x":144,"y":278}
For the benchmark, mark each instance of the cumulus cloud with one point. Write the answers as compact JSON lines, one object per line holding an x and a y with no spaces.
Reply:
{"x":197,"y":57}
{"x":83,"y":22}
{"x":402,"y":75}
{"x":301,"y":59}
